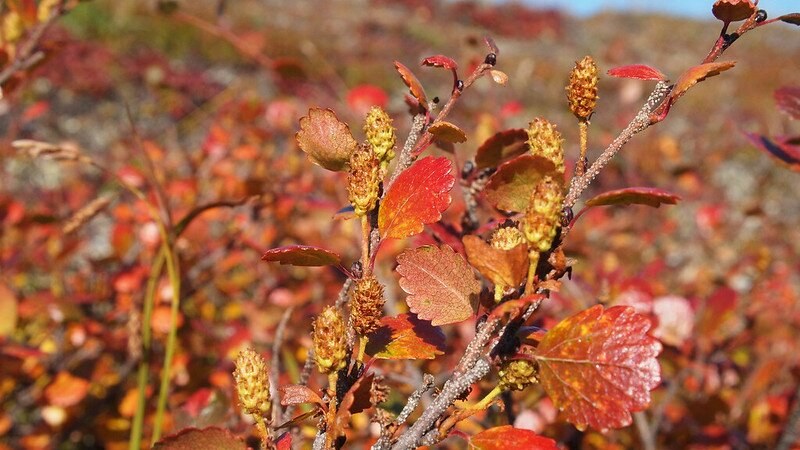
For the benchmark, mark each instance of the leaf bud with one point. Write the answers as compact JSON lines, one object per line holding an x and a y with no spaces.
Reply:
{"x":330,"y":340}
{"x":582,"y":88}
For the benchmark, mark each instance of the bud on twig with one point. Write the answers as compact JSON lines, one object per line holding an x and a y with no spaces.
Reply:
{"x":545,"y":141}
{"x":582,"y":88}
{"x":366,"y":306}
{"x":330,"y":345}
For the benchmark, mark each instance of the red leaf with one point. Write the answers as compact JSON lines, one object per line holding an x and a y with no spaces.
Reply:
{"x":284,"y":442}
{"x":637,"y":71}
{"x":417,"y":197}
{"x":719,"y":319}
{"x":510,"y":188}
{"x":507,"y":437}
{"x":500,"y":147}
{"x":447,"y":132}
{"x":788,"y":100}
{"x":206,"y":438}
{"x":414,"y":86}
{"x":326,"y":140}
{"x":440,"y":284}
{"x":781,"y":149}
{"x":600,"y":365}
{"x":302,"y":255}
{"x":504,"y":267}
{"x":295,"y":394}
{"x":440,"y":61}
{"x":697,"y":74}
{"x":634,"y":196}
{"x":406,"y":337}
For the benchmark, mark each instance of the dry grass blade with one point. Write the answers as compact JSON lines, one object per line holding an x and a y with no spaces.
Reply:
{"x":46,"y":150}
{"x":86,"y":214}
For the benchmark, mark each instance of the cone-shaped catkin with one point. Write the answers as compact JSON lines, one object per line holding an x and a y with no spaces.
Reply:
{"x":363,"y":182}
{"x":506,"y":238}
{"x":541,"y":219}
{"x":330,"y":340}
{"x":252,"y":383}
{"x":582,"y":88}
{"x":366,"y":305}
{"x":380,"y":133}
{"x":544,"y":140}
{"x":517,"y":375}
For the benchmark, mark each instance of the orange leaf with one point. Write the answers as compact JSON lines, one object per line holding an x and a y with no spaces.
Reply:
{"x":414,"y":86}
{"x":600,"y":365}
{"x":302,"y":255}
{"x":440,"y":61}
{"x":501,"y":146}
{"x":634,"y":196}
{"x":326,"y":140}
{"x":637,"y":71}
{"x":504,"y":267}
{"x":733,"y":10}
{"x":440,"y":284}
{"x":66,"y":390}
{"x":206,"y":438}
{"x":295,"y":394}
{"x":697,"y":74}
{"x":511,"y":186}
{"x":447,"y":132}
{"x":406,"y":337}
{"x":507,"y":437}
{"x":417,"y":197}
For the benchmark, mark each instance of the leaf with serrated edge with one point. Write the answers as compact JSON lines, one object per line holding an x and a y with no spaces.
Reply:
{"x":507,"y":437}
{"x":504,"y":267}
{"x":697,"y":74}
{"x":447,"y":132}
{"x":302,"y":255}
{"x":417,"y":197}
{"x":205,"y":438}
{"x":440,"y":61}
{"x":414,"y":86}
{"x":500,"y":147}
{"x":295,"y":394}
{"x":510,"y":188}
{"x":599,"y":365}
{"x":635,"y":196}
{"x":440,"y":284}
{"x":637,"y":71}
{"x":406,"y":337}
{"x":326,"y":140}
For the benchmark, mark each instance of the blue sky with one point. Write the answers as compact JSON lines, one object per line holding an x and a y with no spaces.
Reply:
{"x":692,"y":8}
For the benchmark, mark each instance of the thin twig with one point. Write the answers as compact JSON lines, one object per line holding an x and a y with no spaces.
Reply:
{"x":275,"y":367}
{"x":27,"y":56}
{"x":646,"y":434}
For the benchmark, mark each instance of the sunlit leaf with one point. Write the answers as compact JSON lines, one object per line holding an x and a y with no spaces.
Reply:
{"x":697,"y":74}
{"x":326,"y":140}
{"x":501,"y":267}
{"x":788,"y":100}
{"x":637,"y":71}
{"x":780,"y":149}
{"x":599,"y":365}
{"x":507,"y":437}
{"x":414,"y":86}
{"x":406,"y":337}
{"x":499,"y":77}
{"x":447,"y":132}
{"x":417,"y":197}
{"x":510,"y":188}
{"x":295,"y":394}
{"x":733,"y":10}
{"x":440,"y":284}
{"x":635,"y":196}
{"x":201,"y":439}
{"x":500,"y":147}
{"x":301,"y":255}
{"x":440,"y":61}
{"x":284,"y":441}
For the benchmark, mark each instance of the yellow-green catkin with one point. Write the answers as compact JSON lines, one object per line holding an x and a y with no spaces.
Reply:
{"x":366,"y":305}
{"x":582,"y":88}
{"x":363,"y":181}
{"x":544,"y":140}
{"x":506,"y":238}
{"x":380,"y":134}
{"x":330,"y":340}
{"x":518,"y":374}
{"x":252,"y":383}
{"x":541,"y":219}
